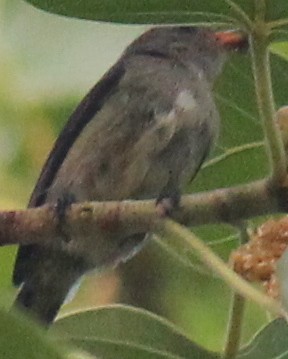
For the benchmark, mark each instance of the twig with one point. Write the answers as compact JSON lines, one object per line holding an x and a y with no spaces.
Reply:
{"x":229,"y":205}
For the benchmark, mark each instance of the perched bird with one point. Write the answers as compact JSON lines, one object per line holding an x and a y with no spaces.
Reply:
{"x":142,"y":132}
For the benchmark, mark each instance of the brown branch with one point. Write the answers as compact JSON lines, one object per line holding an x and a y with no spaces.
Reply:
{"x":233,"y":204}
{"x":87,"y":220}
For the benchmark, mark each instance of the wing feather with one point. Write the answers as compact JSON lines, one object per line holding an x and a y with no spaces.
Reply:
{"x":82,"y":115}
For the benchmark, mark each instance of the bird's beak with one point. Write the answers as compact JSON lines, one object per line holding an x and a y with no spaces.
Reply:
{"x":232,"y":40}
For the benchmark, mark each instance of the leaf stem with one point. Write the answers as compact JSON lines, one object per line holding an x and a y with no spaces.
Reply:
{"x":234,"y":326}
{"x":277,"y":23}
{"x":172,"y":229}
{"x":260,"y":9}
{"x":233,"y":151}
{"x":263,"y":86}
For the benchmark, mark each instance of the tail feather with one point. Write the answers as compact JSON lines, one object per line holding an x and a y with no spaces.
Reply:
{"x":42,"y":305}
{"x":47,"y":285}
{"x":24,"y":262}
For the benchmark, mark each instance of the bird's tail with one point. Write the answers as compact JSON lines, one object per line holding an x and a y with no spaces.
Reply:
{"x":44,"y":307}
{"x":42,"y":294}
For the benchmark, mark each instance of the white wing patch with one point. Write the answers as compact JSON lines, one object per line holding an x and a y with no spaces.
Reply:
{"x":185,"y":101}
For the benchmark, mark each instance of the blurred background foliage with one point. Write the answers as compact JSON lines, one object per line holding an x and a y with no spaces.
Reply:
{"x":47,"y":64}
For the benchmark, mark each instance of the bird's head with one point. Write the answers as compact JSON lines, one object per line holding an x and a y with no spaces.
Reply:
{"x":190,"y":46}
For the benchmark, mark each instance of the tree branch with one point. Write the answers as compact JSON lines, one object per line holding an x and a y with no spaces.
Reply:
{"x":44,"y":225}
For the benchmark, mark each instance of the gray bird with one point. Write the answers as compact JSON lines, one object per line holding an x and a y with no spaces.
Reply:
{"x":142,"y":132}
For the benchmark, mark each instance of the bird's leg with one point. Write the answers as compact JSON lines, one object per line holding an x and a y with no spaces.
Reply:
{"x":63,"y":203}
{"x":169,"y":199}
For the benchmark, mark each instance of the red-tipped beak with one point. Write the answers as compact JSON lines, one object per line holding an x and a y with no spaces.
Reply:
{"x":232,"y":40}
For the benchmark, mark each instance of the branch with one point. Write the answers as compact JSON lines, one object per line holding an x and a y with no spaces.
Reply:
{"x":107,"y":219}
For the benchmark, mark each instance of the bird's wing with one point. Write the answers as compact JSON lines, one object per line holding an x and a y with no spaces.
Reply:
{"x":86,"y":110}
{"x":82,"y":115}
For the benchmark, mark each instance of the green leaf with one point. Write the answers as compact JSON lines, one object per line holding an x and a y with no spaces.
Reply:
{"x":280,"y":49}
{"x":223,"y":12}
{"x":270,"y":343}
{"x":80,"y":355}
{"x":7,"y":255}
{"x":126,"y":332}
{"x":148,"y":11}
{"x":20,"y":338}
{"x":276,"y":10}
{"x":159,"y":11}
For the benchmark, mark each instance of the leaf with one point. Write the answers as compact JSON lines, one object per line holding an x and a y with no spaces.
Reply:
{"x":280,"y":49}
{"x":270,"y":343}
{"x":125,"y":332}
{"x":159,"y":11}
{"x":148,"y":11}
{"x":79,"y":355}
{"x":20,"y":338}
{"x":277,"y":10}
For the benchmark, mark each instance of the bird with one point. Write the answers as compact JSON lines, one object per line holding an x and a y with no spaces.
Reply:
{"x":142,"y":132}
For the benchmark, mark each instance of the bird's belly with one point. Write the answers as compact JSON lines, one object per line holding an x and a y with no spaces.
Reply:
{"x":177,"y":164}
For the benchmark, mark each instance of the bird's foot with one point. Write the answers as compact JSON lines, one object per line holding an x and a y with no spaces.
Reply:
{"x":166,"y":203}
{"x":63,"y":203}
